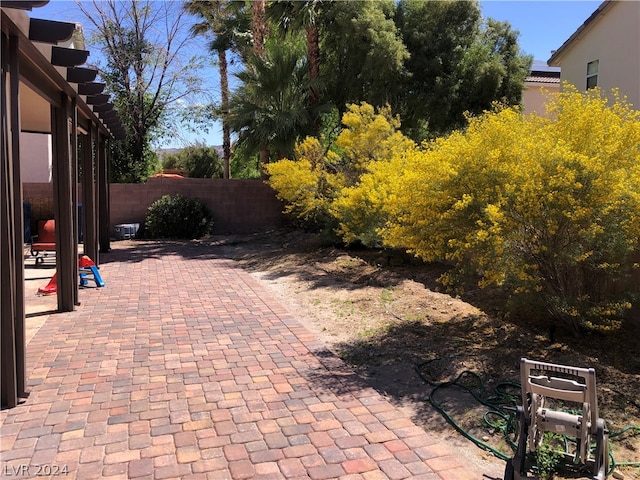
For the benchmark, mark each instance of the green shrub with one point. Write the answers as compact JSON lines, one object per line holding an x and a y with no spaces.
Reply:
{"x":178,"y":217}
{"x":197,"y":161}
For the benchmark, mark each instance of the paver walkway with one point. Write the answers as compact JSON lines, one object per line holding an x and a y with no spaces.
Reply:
{"x":183,"y":367}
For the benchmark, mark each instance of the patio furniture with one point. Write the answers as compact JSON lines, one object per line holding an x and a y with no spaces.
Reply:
{"x":45,"y":241}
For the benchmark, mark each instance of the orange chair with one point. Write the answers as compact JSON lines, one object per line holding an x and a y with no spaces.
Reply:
{"x":45,"y":241}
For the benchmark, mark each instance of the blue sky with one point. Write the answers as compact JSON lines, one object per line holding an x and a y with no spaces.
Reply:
{"x":543,"y":25}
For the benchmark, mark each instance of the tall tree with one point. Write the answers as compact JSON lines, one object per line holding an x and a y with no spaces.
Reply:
{"x":437,"y":35}
{"x":216,"y":18}
{"x":363,"y":53}
{"x":456,"y":64}
{"x":270,"y":109}
{"x":302,"y":15}
{"x":502,"y":41}
{"x":143,"y":45}
{"x":492,"y":69}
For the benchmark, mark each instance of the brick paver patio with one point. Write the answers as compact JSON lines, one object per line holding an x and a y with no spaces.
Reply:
{"x":183,"y":367}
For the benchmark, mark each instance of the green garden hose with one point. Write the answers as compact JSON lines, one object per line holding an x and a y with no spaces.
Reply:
{"x":501,"y":416}
{"x":635,"y":429}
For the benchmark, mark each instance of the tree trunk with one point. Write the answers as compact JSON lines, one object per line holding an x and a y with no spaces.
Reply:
{"x":264,"y":161}
{"x":258,"y":26}
{"x":313,"y":52}
{"x":259,"y":31}
{"x":226,"y":131}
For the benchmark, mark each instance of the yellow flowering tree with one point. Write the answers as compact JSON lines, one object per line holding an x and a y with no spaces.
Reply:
{"x":307,"y":184}
{"x":320,"y":189}
{"x":370,"y":139}
{"x":548,"y":207}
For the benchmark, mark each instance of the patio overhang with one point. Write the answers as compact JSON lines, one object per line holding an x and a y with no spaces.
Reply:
{"x":49,"y":31}
{"x":44,"y":90}
{"x":26,"y":5}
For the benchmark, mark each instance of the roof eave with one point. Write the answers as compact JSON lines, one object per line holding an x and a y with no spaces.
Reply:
{"x":554,"y":60}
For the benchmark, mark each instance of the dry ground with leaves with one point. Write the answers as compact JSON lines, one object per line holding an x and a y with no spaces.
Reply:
{"x":385,"y":314}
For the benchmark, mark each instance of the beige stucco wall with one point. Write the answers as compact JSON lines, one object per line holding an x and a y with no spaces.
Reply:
{"x":613,"y":38}
{"x":35,"y":157}
{"x":536,"y":95}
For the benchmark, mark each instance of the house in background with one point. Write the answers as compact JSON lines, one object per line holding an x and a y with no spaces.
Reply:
{"x":541,"y":82}
{"x":604,"y":51}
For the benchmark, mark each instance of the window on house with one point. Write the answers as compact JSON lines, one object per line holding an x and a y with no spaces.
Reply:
{"x":592,"y":74}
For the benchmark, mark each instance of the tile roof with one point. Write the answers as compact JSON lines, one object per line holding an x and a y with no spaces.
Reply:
{"x":540,"y":79}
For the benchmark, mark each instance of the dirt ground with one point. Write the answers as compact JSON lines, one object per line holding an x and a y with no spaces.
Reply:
{"x":385,"y":314}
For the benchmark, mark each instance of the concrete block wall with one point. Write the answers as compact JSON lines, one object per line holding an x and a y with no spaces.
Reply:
{"x":40,"y":197}
{"x":238,"y":206}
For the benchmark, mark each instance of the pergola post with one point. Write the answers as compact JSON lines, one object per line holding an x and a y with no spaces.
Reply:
{"x":18,"y":222}
{"x":74,"y":188}
{"x":102,"y":179}
{"x":66,"y":245}
{"x":9,"y":364}
{"x":37,"y":77}
{"x":90,"y":239}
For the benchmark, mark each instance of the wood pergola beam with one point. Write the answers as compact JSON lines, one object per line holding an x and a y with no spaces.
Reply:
{"x":50,"y":31}
{"x":24,"y":5}
{"x":81,"y":75}
{"x":68,"y":57}
{"x":92,"y":88}
{"x":100,"y":99}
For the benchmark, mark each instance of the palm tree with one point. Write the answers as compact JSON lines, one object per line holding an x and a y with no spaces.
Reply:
{"x":221,"y":18}
{"x":297,"y":15}
{"x":259,"y":29}
{"x":271,"y":108}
